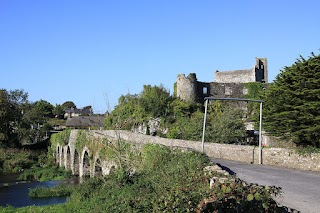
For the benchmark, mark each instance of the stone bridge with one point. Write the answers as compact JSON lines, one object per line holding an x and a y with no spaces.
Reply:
{"x":84,"y":160}
{"x":86,"y":155}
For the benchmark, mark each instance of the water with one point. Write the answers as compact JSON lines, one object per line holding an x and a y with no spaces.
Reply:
{"x":16,"y":193}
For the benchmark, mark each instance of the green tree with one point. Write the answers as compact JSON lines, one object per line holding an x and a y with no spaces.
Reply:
{"x":11,"y":109}
{"x":31,"y":123}
{"x":154,"y":100}
{"x":225,"y":126}
{"x":125,"y":114}
{"x":6,"y":110}
{"x":44,"y":108}
{"x":293,"y":102}
{"x":192,"y":127}
{"x":179,"y":108}
{"x":68,"y":105}
{"x":58,"y":111}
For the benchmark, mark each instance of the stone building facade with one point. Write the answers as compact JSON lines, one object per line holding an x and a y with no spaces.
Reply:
{"x":227,"y":84}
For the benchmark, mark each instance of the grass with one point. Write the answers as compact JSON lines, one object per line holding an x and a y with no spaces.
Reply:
{"x":45,"y":173}
{"x":56,"y":191}
{"x":165,"y":180}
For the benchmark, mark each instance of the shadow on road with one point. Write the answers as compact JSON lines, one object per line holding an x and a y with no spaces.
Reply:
{"x":226,"y":169}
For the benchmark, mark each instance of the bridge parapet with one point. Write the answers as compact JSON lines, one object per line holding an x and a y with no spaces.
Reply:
{"x":82,"y":153}
{"x":100,"y":163}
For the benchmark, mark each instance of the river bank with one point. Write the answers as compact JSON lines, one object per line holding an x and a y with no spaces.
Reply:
{"x":16,"y":193}
{"x":25,"y":169}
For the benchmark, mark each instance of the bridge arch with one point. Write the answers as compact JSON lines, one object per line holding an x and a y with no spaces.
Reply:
{"x":58,"y":155}
{"x":76,"y":163}
{"x":97,"y":165}
{"x":85,"y":167}
{"x":62,"y":157}
{"x":68,"y":160}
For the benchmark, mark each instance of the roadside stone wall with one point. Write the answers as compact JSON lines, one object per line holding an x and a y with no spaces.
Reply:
{"x":288,"y":158}
{"x":270,"y":156}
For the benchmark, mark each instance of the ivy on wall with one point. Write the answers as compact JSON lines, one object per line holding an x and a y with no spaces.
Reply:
{"x":61,"y":138}
{"x":255,"y":91}
{"x":117,"y":151}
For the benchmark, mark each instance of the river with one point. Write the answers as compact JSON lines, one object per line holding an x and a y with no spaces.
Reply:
{"x":15,"y":193}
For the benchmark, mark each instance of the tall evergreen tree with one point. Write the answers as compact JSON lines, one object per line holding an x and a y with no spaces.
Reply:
{"x":292,"y":109}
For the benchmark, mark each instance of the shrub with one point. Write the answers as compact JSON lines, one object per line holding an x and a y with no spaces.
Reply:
{"x":56,"y":191}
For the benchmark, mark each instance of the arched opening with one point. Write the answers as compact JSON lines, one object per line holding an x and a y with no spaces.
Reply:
{"x":76,"y":163}
{"x":68,"y":160}
{"x":58,"y":155}
{"x":62,"y":157}
{"x":86,"y":164}
{"x":98,"y":168}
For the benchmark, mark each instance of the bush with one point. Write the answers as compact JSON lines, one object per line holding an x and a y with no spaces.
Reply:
{"x":56,"y":191}
{"x":17,"y":160}
{"x":227,"y":127}
{"x":167,"y":180}
{"x":45,"y":174}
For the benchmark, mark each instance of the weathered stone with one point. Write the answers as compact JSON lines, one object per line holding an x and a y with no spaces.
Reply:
{"x":68,"y":157}
{"x":249,"y":154}
{"x":226,"y":83}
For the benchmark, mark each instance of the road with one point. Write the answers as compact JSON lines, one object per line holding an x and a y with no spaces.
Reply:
{"x":301,"y":189}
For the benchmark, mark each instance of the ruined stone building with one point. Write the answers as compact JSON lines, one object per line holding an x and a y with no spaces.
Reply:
{"x":226,"y":84}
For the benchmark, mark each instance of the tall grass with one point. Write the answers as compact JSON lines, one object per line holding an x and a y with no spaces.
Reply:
{"x":56,"y":191}
{"x":45,"y":174}
{"x":165,"y":180}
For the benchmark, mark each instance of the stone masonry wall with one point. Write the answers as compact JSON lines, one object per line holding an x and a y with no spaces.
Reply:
{"x":187,"y":87}
{"x":237,"y":76}
{"x":248,"y":154}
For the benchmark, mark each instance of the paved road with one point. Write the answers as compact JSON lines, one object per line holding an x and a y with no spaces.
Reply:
{"x":301,"y":189}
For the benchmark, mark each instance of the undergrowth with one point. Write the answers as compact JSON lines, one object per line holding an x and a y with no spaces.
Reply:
{"x":45,"y":174}
{"x":16,"y":160}
{"x":56,"y":191}
{"x":165,"y":180}
{"x":307,"y":151}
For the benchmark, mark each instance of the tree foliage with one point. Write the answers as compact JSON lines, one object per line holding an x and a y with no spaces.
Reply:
{"x":293,"y":102}
{"x":11,"y":103}
{"x":226,"y":126}
{"x":33,"y":124}
{"x":22,"y":122}
{"x":154,"y":100}
{"x":68,"y":105}
{"x":255,"y":91}
{"x":183,"y":120}
{"x":44,"y":108}
{"x":131,"y":109}
{"x":58,"y":111}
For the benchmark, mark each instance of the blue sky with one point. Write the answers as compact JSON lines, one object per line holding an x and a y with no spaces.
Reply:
{"x":91,"y":52}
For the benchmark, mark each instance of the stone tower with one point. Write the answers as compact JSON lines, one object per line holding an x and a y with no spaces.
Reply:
{"x":187,"y":87}
{"x":261,"y":69}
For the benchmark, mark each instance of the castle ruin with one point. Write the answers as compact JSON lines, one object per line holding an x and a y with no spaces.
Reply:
{"x":227,"y":84}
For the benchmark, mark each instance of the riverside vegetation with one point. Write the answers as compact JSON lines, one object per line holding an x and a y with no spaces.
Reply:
{"x":33,"y":165}
{"x":165,"y":180}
